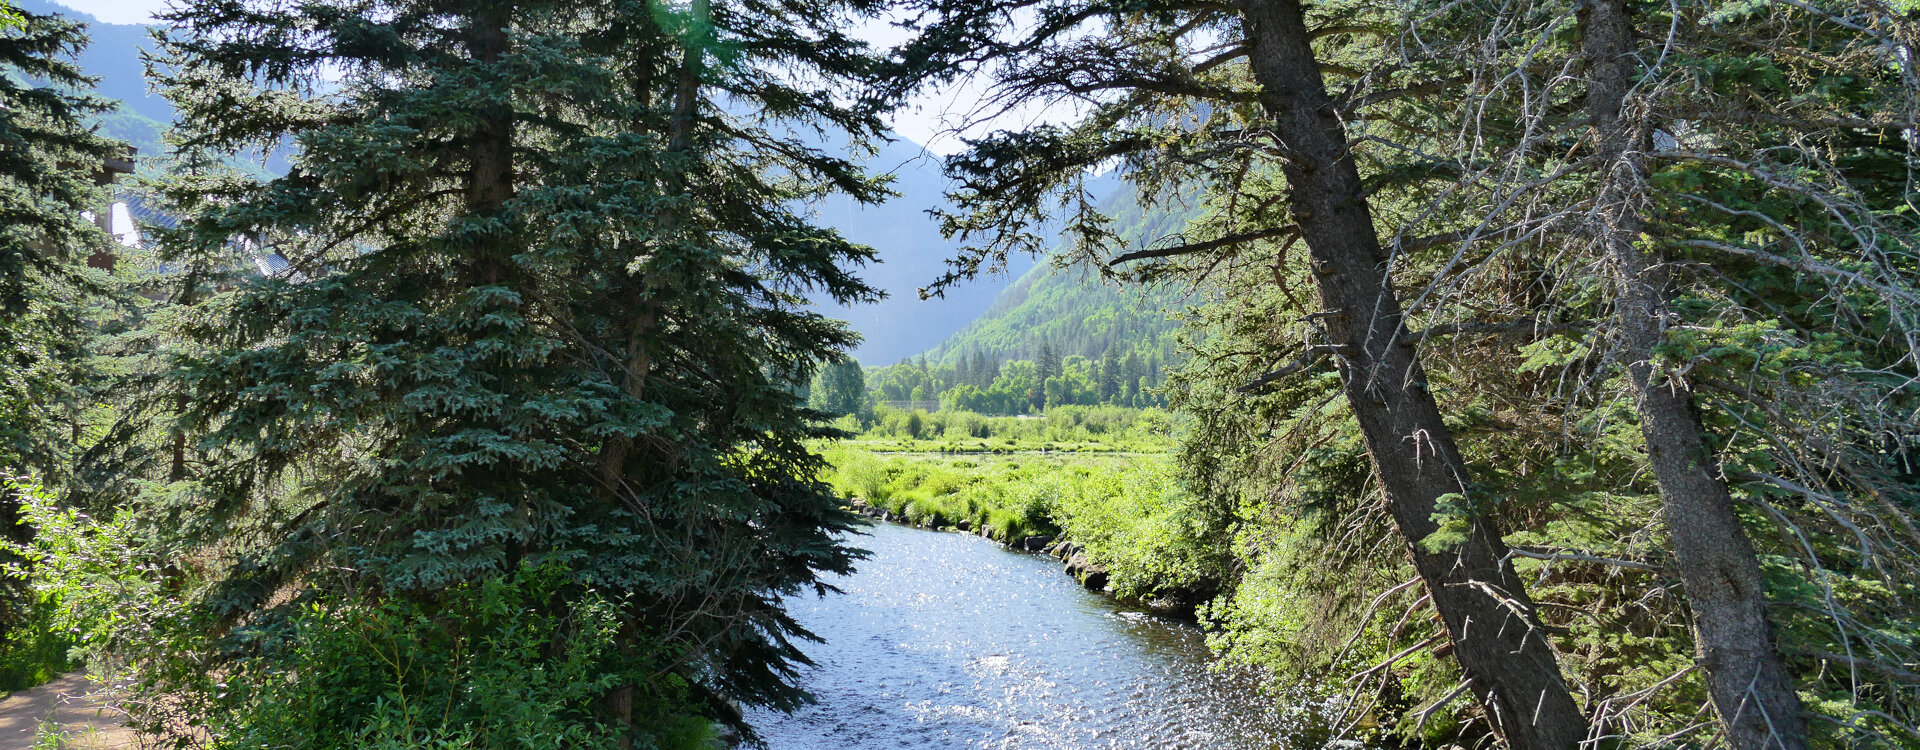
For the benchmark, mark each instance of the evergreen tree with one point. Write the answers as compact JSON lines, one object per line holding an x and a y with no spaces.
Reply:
{"x":1181,"y":108}
{"x":840,"y":389}
{"x":1715,"y":179}
{"x":1046,"y":366}
{"x":1109,"y":376}
{"x":51,"y":162}
{"x":549,"y":307}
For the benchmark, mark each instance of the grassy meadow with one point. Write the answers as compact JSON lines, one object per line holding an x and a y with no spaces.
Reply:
{"x":1099,"y":476}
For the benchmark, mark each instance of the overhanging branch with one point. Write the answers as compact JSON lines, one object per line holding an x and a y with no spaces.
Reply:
{"x":1201,"y":247}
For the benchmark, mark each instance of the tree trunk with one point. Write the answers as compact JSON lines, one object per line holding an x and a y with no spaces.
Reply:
{"x":1751,"y":688}
{"x":638,"y":296}
{"x":1496,"y":633}
{"x":639,"y":291}
{"x":490,"y":179}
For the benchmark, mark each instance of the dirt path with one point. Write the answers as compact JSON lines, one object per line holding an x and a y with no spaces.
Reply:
{"x":71,"y":703}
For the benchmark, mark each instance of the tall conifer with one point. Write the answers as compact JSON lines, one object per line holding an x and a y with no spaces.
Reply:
{"x":51,"y":164}
{"x":547,"y":305}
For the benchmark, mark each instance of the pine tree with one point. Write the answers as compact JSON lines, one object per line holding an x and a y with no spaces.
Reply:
{"x":50,"y":160}
{"x":1180,"y":108}
{"x":1046,"y":366}
{"x":840,"y":389}
{"x":1109,"y":376}
{"x":549,"y":307}
{"x":50,"y":163}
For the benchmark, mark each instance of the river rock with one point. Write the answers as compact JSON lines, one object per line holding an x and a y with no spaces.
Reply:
{"x":964,"y":525}
{"x":1034,"y":543}
{"x":1086,"y":572}
{"x":726,"y":737}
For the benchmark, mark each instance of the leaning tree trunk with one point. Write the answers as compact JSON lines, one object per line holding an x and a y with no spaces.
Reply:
{"x":1751,"y":688}
{"x":1497,"y":636}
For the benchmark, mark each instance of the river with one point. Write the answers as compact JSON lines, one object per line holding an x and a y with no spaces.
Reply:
{"x":946,"y":640}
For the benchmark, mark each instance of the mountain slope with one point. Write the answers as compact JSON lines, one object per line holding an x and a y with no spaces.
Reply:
{"x":1076,"y":311}
{"x":912,"y":255}
{"x":1072,"y":310}
{"x":912,"y":252}
{"x":114,"y":56}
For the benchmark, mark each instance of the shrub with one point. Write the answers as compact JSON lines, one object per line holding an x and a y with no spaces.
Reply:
{"x":473,"y":669}
{"x":517,"y":661}
{"x":1154,"y":538}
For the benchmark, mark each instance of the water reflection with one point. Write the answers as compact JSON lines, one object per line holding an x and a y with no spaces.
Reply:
{"x":947,"y":641}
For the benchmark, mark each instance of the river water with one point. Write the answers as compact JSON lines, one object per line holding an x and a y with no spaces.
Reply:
{"x":946,"y":640}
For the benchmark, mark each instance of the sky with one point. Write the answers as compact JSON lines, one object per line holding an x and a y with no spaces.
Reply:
{"x":928,"y":121}
{"x":118,"y":11}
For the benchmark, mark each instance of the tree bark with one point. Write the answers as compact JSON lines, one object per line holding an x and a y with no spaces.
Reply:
{"x":617,"y":704}
{"x":1752,"y":691}
{"x":638,"y":292}
{"x":1496,"y":633}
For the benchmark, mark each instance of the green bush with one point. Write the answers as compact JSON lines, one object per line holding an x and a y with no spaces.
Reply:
{"x":1074,"y":428}
{"x":513,"y":662}
{"x":474,"y":669}
{"x":35,"y":650}
{"x":1153,"y":537}
{"x":35,"y":647}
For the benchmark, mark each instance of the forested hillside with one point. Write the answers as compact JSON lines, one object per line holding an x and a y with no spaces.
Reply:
{"x":1107,"y":342}
{"x":1074,"y":309}
{"x":911,"y":253}
{"x":141,"y":116}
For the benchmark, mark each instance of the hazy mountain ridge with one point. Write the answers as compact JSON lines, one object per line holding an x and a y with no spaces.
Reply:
{"x":1074,"y":309}
{"x":998,"y":308}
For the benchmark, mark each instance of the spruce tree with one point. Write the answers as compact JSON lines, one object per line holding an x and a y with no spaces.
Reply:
{"x":51,"y":165}
{"x":1109,"y":376}
{"x":51,"y":162}
{"x":547,"y":306}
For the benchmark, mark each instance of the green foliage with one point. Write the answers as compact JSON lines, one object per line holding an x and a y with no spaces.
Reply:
{"x":35,"y":649}
{"x":49,"y":158}
{"x":981,"y":384}
{"x":1128,"y":515}
{"x":840,"y":390}
{"x":1065,"y":428}
{"x":476,"y":668}
{"x":1055,"y":337}
{"x":1155,"y":540}
{"x":995,"y":497}
{"x":548,"y":306}
{"x":489,"y":664}
{"x":112,"y":604}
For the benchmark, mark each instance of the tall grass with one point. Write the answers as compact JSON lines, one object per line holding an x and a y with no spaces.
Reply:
{"x":1127,"y":513}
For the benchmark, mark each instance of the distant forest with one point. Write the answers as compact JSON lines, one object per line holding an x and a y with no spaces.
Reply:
{"x":979,"y":382}
{"x":1056,"y":337}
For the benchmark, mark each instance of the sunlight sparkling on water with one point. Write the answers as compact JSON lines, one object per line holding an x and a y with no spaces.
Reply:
{"x":946,"y":640}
